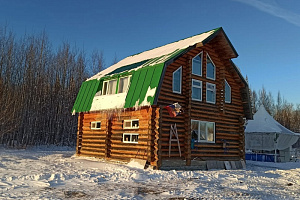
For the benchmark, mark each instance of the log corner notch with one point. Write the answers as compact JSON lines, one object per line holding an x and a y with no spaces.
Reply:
{"x":79,"y":133}
{"x":156,"y":133}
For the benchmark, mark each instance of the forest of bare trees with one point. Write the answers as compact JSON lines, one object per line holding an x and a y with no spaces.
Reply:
{"x":39,"y":84}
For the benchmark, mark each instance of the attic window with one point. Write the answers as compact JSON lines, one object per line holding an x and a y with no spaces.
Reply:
{"x":96,"y":125}
{"x":210,"y":69}
{"x":115,"y":87}
{"x":123,"y":84}
{"x":130,"y":137}
{"x":131,"y":124}
{"x":197,"y":65}
{"x":227,"y":92}
{"x":176,"y":84}
{"x":196,"y":90}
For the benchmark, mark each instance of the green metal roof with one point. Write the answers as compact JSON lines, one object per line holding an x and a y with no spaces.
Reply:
{"x":85,"y":96}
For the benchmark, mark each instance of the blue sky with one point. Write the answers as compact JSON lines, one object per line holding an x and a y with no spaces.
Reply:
{"x":265,"y":33}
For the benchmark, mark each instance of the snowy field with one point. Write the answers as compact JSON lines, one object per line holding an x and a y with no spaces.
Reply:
{"x":55,"y":173}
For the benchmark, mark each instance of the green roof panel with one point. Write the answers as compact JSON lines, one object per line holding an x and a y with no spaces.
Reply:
{"x":88,"y":89}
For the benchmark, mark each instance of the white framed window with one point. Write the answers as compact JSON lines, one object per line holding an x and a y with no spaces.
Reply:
{"x":210,"y":68}
{"x":203,"y":131}
{"x":131,"y":124}
{"x":227,"y":92}
{"x":177,"y":78}
{"x":130,"y":137}
{"x":96,"y":125}
{"x":123,"y":84}
{"x":196,"y":90}
{"x":197,"y":65}
{"x":210,"y":93}
{"x":110,"y":87}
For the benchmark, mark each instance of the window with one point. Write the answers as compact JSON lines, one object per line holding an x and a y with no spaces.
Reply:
{"x":210,"y":69}
{"x":131,"y":124}
{"x":96,"y":125}
{"x":110,"y":87}
{"x":210,"y":93}
{"x":197,"y":65}
{"x":203,"y":131}
{"x":130,"y":137}
{"x":177,"y":80}
{"x":123,"y":84}
{"x":227,"y":92}
{"x":196,"y":90}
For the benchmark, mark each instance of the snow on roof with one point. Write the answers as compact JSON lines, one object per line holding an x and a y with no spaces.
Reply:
{"x":156,"y":52}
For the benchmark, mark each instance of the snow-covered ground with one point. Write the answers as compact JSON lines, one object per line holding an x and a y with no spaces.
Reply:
{"x":54,"y":173}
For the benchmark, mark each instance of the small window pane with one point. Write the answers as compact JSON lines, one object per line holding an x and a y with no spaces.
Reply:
{"x":127,"y":138}
{"x":202,"y":131}
{"x":112,"y":85}
{"x":197,"y":65}
{"x":210,"y":93}
{"x":135,"y":123}
{"x":135,"y":138}
{"x":123,"y":84}
{"x":177,"y":80}
{"x":196,"y":93}
{"x":210,"y":69}
{"x":227,"y":92}
{"x":195,"y":133}
{"x":104,"y":88}
{"x":210,"y":131}
{"x":98,"y":125}
{"x":127,"y":123}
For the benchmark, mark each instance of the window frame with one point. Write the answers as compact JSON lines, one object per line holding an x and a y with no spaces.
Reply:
{"x":206,"y":131}
{"x":201,"y":67}
{"x":117,"y":86}
{"x":196,"y":86}
{"x":131,"y":127}
{"x":95,"y":128}
{"x":214,"y":78}
{"x":226,"y":101}
{"x":180,"y":83}
{"x":130,"y":141}
{"x":214,"y":92}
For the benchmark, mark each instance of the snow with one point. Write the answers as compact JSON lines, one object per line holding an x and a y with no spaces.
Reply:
{"x":55,"y":173}
{"x":154,"y":53}
{"x":104,"y":102}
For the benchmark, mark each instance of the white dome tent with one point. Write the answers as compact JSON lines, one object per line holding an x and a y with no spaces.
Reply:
{"x":264,"y":133}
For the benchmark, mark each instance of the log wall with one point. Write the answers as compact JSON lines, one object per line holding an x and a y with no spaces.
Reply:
{"x":108,"y":141}
{"x":229,"y":132}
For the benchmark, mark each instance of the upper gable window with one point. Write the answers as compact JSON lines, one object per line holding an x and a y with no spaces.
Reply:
{"x":196,"y":90}
{"x":210,"y":93}
{"x":177,"y":76}
{"x":227,"y":92}
{"x":197,"y":65}
{"x":210,"y":68}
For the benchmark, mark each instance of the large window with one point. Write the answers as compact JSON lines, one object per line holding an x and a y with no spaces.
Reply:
{"x":110,"y":87}
{"x":227,"y":92}
{"x":203,"y":131}
{"x":210,"y":69}
{"x":196,"y":90}
{"x":177,"y":76}
{"x":197,"y":65}
{"x":210,"y":93}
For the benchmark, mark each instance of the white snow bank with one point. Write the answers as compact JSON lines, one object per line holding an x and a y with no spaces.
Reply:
{"x":41,"y":174}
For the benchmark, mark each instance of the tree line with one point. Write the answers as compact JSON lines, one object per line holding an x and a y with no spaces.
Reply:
{"x":38,"y":86}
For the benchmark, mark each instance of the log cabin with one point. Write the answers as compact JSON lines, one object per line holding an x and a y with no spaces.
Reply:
{"x":180,"y":104}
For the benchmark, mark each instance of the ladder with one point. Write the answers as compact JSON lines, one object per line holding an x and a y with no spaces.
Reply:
{"x":173,"y":131}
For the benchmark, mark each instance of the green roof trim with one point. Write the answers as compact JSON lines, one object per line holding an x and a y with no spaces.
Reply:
{"x":88,"y":89}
